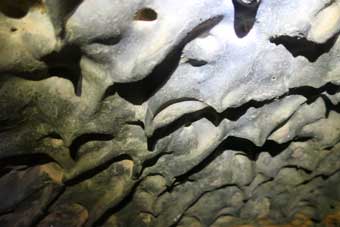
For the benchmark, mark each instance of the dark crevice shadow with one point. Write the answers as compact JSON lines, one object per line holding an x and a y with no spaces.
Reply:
{"x":300,"y":46}
{"x":136,"y":123}
{"x":311,"y":93}
{"x":234,"y":114}
{"x":85,"y":138}
{"x":122,"y":204}
{"x":245,"y":146}
{"x":171,"y":102}
{"x":4,"y":171}
{"x":140,"y":91}
{"x":51,"y":203}
{"x":68,"y":9}
{"x":152,"y":161}
{"x":295,"y":167}
{"x":244,"y":18}
{"x":248,"y":148}
{"x":238,"y":144}
{"x":53,"y":135}
{"x":251,"y":150}
{"x":96,"y":170}
{"x":326,"y":5}
{"x":186,"y":119}
{"x":25,"y":160}
{"x":66,"y":64}
{"x":110,"y":91}
{"x":330,"y":106}
{"x":11,"y":123}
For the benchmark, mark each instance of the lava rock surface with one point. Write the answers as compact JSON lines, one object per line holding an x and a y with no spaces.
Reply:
{"x":164,"y":113}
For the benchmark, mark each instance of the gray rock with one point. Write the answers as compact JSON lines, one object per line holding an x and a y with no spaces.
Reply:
{"x":169,"y":113}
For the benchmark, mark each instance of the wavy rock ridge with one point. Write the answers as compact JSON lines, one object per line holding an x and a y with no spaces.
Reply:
{"x":163,"y":113}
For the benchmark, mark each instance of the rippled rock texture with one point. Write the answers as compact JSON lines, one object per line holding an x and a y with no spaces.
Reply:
{"x":167,"y":113}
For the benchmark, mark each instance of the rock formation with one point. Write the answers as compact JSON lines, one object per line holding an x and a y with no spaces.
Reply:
{"x":164,"y":113}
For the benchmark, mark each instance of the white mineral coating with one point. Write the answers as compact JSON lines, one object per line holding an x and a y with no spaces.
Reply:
{"x":326,"y":24}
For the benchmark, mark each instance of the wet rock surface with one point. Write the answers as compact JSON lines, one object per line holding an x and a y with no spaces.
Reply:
{"x":169,"y":113}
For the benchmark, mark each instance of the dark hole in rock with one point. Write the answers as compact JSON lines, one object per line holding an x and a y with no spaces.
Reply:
{"x":13,"y":29}
{"x":65,"y":64}
{"x":197,"y":63}
{"x":244,"y":17}
{"x":146,"y":14}
{"x":109,"y":41}
{"x":16,"y":8}
{"x":300,"y":46}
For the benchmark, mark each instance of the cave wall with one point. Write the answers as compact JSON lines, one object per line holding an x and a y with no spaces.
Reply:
{"x":162,"y":113}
